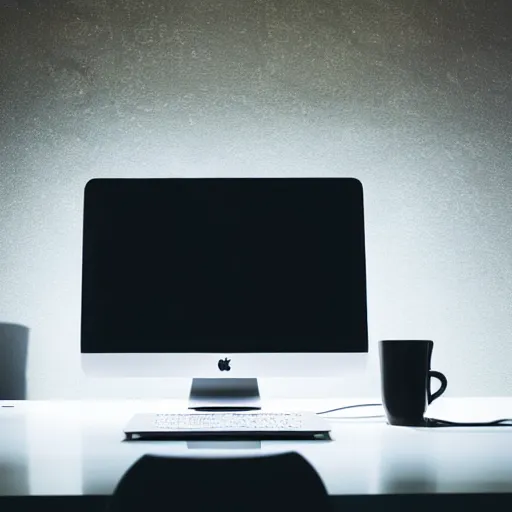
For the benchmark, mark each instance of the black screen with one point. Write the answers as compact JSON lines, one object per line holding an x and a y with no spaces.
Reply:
{"x":223,"y":265}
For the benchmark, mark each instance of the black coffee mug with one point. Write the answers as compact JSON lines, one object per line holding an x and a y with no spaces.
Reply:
{"x":406,"y":380}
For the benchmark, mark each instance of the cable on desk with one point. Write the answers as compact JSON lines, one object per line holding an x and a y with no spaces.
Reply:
{"x":434,"y":422}
{"x":367,"y":417}
{"x":429,"y":422}
{"x":354,"y":407}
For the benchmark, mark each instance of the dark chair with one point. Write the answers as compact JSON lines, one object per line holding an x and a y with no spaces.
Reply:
{"x":13,"y":361}
{"x":281,"y":482}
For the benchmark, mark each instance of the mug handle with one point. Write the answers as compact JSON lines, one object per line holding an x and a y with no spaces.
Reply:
{"x":441,"y":390}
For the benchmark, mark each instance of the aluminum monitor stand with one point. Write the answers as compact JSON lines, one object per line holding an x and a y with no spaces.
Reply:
{"x":224,"y":395}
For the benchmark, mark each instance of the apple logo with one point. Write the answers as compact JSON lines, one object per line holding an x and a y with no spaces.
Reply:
{"x":224,"y":365}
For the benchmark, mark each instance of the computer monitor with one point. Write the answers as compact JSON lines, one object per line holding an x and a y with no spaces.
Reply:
{"x":224,"y":280}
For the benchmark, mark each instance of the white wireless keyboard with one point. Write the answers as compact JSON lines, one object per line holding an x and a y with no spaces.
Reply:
{"x":226,"y":424}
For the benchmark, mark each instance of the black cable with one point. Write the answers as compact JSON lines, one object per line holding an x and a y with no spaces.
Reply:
{"x":357,"y":417}
{"x":429,"y":422}
{"x":434,"y":422}
{"x":352,"y":407}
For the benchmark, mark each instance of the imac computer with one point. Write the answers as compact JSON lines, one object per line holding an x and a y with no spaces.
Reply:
{"x":223,"y":280}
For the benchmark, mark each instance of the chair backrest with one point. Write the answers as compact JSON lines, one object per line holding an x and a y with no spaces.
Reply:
{"x":13,"y":361}
{"x":279,"y":482}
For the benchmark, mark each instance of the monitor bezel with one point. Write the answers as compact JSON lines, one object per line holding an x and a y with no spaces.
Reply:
{"x":242,"y":365}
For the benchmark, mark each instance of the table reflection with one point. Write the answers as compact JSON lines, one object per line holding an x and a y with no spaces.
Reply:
{"x":14,"y":466}
{"x":405,"y":464}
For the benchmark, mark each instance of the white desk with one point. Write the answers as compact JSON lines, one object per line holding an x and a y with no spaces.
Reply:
{"x":77,"y":448}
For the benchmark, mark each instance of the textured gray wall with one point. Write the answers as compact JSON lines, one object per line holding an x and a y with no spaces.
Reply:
{"x":410,"y":96}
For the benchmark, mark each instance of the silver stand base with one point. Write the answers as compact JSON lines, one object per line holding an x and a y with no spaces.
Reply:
{"x":224,"y":395}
